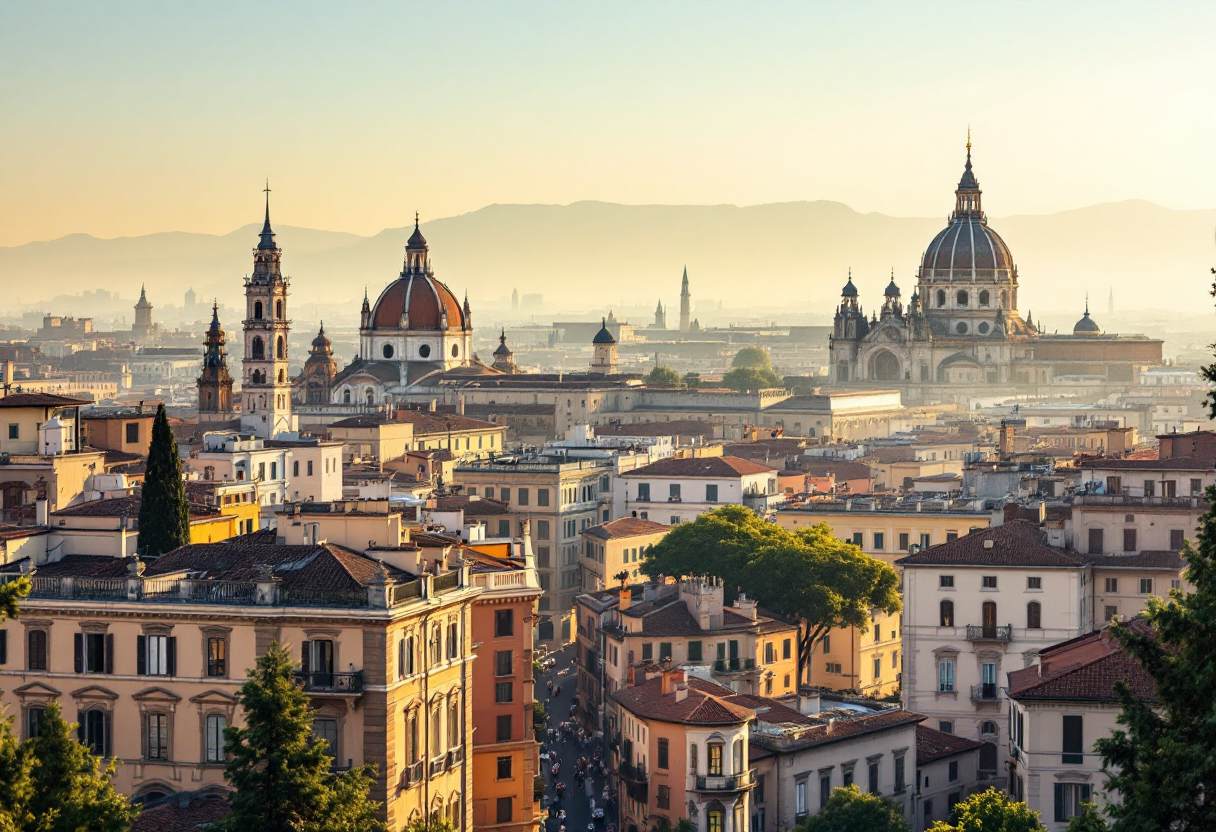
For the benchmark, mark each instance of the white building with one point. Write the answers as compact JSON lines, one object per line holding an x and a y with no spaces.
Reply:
{"x":680,"y":490}
{"x":314,"y":471}
{"x":232,"y":456}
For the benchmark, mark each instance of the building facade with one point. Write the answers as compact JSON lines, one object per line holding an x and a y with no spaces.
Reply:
{"x":265,"y":384}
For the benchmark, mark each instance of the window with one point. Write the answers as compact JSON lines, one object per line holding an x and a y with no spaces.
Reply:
{"x":1073,"y":742}
{"x":988,"y":582}
{"x":663,"y":753}
{"x":692,"y":758}
{"x":1149,"y":488}
{"x":952,"y":772}
{"x":132,"y":432}
{"x":770,"y":652}
{"x":35,"y":655}
{"x":737,"y":756}
{"x":14,"y":431}
{"x":453,"y":641}
{"x":946,"y":727}
{"x":644,"y":492}
{"x":310,"y":467}
{"x":873,"y":777}
{"x":945,"y":676}
{"x":523,"y":497}
{"x":1111,"y":612}
{"x":317,"y":662}
{"x":858,"y":539}
{"x":694,"y":651}
{"x":1095,"y":541}
{"x":1146,"y":586}
{"x":542,"y":557}
{"x":714,"y":819}
{"x":946,"y":609}
{"x":825,"y":790}
{"x":1196,"y":486}
{"x":95,"y":732}
{"x":504,"y":528}
{"x":800,"y":798}
{"x":946,"y":581}
{"x":454,"y":722}
{"x":786,"y":648}
{"x":903,"y":541}
{"x":94,"y":653}
{"x":33,"y":722}
{"x":1034,"y":618}
{"x":504,"y":768}
{"x":715,"y":758}
{"x":542,"y":496}
{"x":295,"y":467}
{"x":1034,"y":583}
{"x":503,"y":810}
{"x":924,"y":540}
{"x":928,"y":804}
{"x":1112,"y":584}
{"x":1069,"y":797}
{"x":847,"y":775}
{"x":899,"y":775}
{"x":827,"y":644}
{"x":217,"y":656}
{"x":951,"y":536}
{"x":664,"y":797}
{"x":673,"y":491}
{"x":894,"y":659}
{"x":1129,"y":540}
{"x":504,"y":623}
{"x":879,"y":541}
{"x":711,"y":493}
{"x":542,"y":529}
{"x":648,"y":651}
{"x":961,"y":297}
{"x":214,"y":740}
{"x":832,"y":667}
{"x":503,"y":728}
{"x":505,"y":493}
{"x":664,"y":650}
{"x":155,"y":655}
{"x":504,"y":692}
{"x":1177,"y":538}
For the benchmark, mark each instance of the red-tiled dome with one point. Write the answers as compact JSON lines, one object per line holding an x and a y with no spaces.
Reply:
{"x":424,"y":297}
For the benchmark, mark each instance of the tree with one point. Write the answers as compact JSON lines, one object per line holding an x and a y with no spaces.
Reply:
{"x":754,"y":357}
{"x":11,"y":594}
{"x":849,"y":810}
{"x":164,"y":516}
{"x":751,"y":378}
{"x":991,"y":811}
{"x":692,"y":380}
{"x":280,"y":771}
{"x":663,"y":375}
{"x":1088,"y":821}
{"x":434,"y":823}
{"x":71,"y":790}
{"x":808,"y":575}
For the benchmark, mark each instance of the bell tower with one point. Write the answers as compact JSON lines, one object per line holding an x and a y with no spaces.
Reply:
{"x":266,"y":386}
{"x":215,"y":384}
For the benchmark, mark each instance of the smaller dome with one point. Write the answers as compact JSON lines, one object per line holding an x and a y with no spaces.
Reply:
{"x":322,"y":340}
{"x":892,"y":290}
{"x":1087,"y":325}
{"x":849,"y":290}
{"x":503,"y":350}
{"x":416,"y":239}
{"x":603,"y":336}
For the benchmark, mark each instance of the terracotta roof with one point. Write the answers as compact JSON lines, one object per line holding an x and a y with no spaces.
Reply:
{"x":327,"y":566}
{"x":1174,"y":464}
{"x":79,"y":566}
{"x":481,"y":507}
{"x":626,"y":527}
{"x":1090,"y":680}
{"x":678,"y":427}
{"x":823,"y":728}
{"x":706,"y":703}
{"x":8,"y":532}
{"x":1019,"y":543}
{"x":707,"y":466}
{"x":841,"y":469}
{"x":1171,"y":561}
{"x":181,"y":813}
{"x":41,"y":400}
{"x":123,"y":507}
{"x":671,"y":620}
{"x":932,"y":744}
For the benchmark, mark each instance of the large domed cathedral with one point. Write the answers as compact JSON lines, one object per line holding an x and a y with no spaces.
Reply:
{"x":416,"y":328}
{"x":962,"y":326}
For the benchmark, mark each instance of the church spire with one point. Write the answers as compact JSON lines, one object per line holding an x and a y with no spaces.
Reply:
{"x":267,"y":233}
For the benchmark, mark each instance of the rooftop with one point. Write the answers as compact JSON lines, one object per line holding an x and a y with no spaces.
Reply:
{"x":710,"y":466}
{"x":1020,"y":543}
{"x":41,"y":400}
{"x":706,"y":703}
{"x":626,"y":527}
{"x":1091,"y":677}
{"x":932,"y":744}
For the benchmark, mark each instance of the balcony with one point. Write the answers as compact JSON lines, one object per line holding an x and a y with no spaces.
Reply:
{"x":455,"y":757}
{"x":982,"y":632}
{"x":722,"y":783}
{"x":411,"y":775}
{"x":1194,"y":501}
{"x":439,"y":765}
{"x":987,"y":692}
{"x":734,"y":665}
{"x":337,"y":683}
{"x":633,"y":774}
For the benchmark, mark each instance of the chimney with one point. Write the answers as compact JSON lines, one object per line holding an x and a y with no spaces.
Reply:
{"x":681,"y":691}
{"x":808,"y":704}
{"x":460,"y":405}
{"x":626,"y":598}
{"x":434,"y":405}
{"x":670,"y":677}
{"x":1006,"y":440}
{"x":745,"y":606}
{"x":41,"y":512}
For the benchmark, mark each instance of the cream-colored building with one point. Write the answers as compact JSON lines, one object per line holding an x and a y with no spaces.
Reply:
{"x":617,"y":546}
{"x":388,"y":437}
{"x":679,"y":490}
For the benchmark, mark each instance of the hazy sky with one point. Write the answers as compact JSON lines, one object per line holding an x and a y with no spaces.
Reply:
{"x":122,"y":118}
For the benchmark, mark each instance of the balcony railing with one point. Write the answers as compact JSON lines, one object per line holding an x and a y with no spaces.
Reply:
{"x":734,"y":665}
{"x":1195,"y":501}
{"x":439,"y":765}
{"x":411,"y":775}
{"x":331,"y":682}
{"x":983,"y":632}
{"x":312,"y":597}
{"x":987,"y":692}
{"x":633,"y":774}
{"x":455,"y":757}
{"x":725,"y":783}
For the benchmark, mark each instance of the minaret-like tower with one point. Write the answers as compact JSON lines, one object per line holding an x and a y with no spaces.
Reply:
{"x":143,"y":328}
{"x":660,"y":316}
{"x":504,"y":359}
{"x":215,"y":383}
{"x":313,"y":386}
{"x":603,"y":358}
{"x":266,"y":387}
{"x":685,"y":304}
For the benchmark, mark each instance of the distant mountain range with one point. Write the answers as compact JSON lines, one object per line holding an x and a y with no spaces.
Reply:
{"x":790,"y":255}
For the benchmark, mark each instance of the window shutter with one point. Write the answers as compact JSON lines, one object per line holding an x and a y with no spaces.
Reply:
{"x":172,"y":657}
{"x":78,"y":645}
{"x":141,"y":655}
{"x":3,"y":646}
{"x":108,"y":731}
{"x":1085,"y":793}
{"x":305,"y":649}
{"x":80,"y":735}
{"x":1059,"y":787}
{"x":109,"y":660}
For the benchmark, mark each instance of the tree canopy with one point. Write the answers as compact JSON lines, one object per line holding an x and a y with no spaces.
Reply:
{"x":692,"y":380}
{"x":751,"y":378}
{"x":164,"y":516}
{"x":663,"y":375}
{"x":280,"y":771}
{"x":991,"y":811}
{"x":850,"y":810}
{"x":1090,"y":820}
{"x":809,"y":575}
{"x":435,"y":822}
{"x":753,"y":357}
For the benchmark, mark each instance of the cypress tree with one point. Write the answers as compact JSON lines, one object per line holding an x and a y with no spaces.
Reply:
{"x":164,"y":516}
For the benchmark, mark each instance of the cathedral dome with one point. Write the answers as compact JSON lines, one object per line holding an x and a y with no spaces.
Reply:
{"x":1087,"y":325}
{"x":604,"y":336}
{"x":423,"y":299}
{"x":964,"y":247}
{"x":322,"y":343}
{"x":849,"y":290}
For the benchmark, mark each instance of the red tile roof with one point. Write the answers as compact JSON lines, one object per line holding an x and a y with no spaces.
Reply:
{"x":707,"y":466}
{"x":327,"y":566}
{"x":174,"y":814}
{"x":626,"y":527}
{"x":706,"y":703}
{"x":1020,"y":543}
{"x":41,"y":400}
{"x":932,"y":744}
{"x":1176,"y":464}
{"x":1090,"y":680}
{"x":473,"y":507}
{"x":123,"y":507}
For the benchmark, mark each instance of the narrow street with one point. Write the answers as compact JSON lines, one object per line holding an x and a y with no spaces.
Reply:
{"x":565,"y":752}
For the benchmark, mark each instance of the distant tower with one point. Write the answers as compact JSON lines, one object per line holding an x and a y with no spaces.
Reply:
{"x":604,"y":358}
{"x":190,"y":299}
{"x":143,"y":329}
{"x":1110,"y":302}
{"x":504,"y":359}
{"x":265,"y":388}
{"x":215,"y":384}
{"x":313,"y":386}
{"x":685,"y":303}
{"x":515,"y":300}
{"x":660,"y":316}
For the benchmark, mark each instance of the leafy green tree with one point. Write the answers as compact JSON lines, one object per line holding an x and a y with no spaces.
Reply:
{"x":1090,"y":820}
{"x":692,"y":380}
{"x":11,"y":594}
{"x":850,"y":810}
{"x":280,"y":771}
{"x":663,"y":375}
{"x":164,"y":516}
{"x":991,"y":811}
{"x":751,"y":378}
{"x":71,"y":790}
{"x":754,"y":357}
{"x":434,"y":823}
{"x":16,"y":783}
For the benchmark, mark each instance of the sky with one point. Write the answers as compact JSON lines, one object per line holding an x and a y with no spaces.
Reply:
{"x":127,"y":118}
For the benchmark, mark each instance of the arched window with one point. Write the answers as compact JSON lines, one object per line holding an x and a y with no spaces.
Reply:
{"x":715,"y":817}
{"x":370,"y":395}
{"x":962,"y":297}
{"x":436,"y":645}
{"x":401,"y":659}
{"x":257,"y":310}
{"x":714,"y":760}
{"x":436,"y":731}
{"x":736,"y":757}
{"x":413,"y":752}
{"x":947,"y":613}
{"x":455,"y":350}
{"x":280,"y":348}
{"x":988,"y":728}
{"x":96,"y":732}
{"x":278,"y":309}
{"x":454,"y":722}
{"x":985,"y":298}
{"x":346,"y":396}
{"x":941,"y":297}
{"x":1004,"y":299}
{"x":387,"y":351}
{"x":282,"y":375}
{"x":988,"y":613}
{"x":1034,"y":616}
{"x":257,"y":348}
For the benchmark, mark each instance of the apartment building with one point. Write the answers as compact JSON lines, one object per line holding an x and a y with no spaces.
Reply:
{"x":126,"y":430}
{"x":225,"y":455}
{"x":617,"y":546}
{"x":148,"y":659}
{"x":678,"y":490}
{"x":386,"y":437}
{"x":947,"y":772}
{"x":314,"y":470}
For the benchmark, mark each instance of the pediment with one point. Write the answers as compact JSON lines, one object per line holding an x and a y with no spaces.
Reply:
{"x":214,"y":697}
{"x":37,"y":689}
{"x":94,"y":692}
{"x":156,"y":694}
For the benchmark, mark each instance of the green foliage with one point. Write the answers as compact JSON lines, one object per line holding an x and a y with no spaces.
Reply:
{"x":71,"y":789}
{"x":11,"y":594}
{"x":1160,"y":761}
{"x":280,"y":772}
{"x":692,"y":380}
{"x":1088,"y":821}
{"x":164,"y":516}
{"x":751,"y":378}
{"x":808,"y":575}
{"x":538,"y":719}
{"x":663,"y":375}
{"x":435,"y":823}
{"x":991,"y":811}
{"x":753,"y":357}
{"x":16,"y":781}
{"x":850,"y":810}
